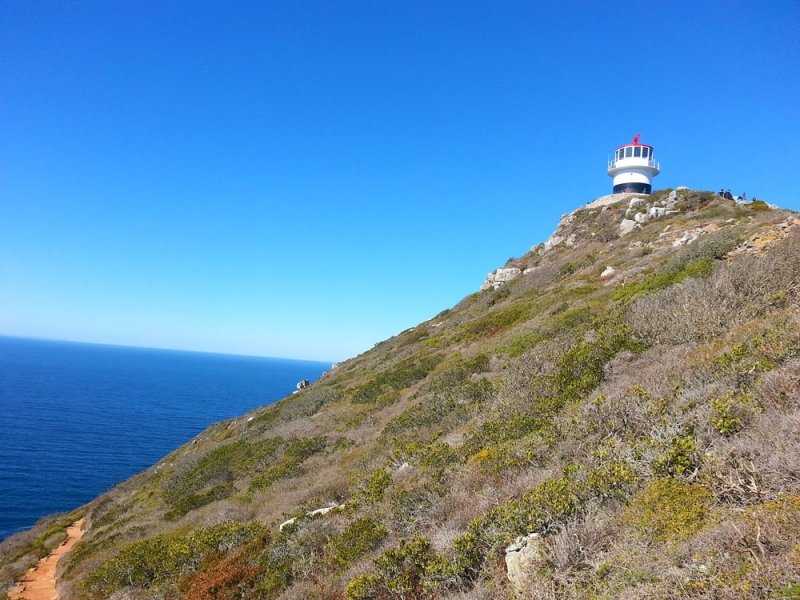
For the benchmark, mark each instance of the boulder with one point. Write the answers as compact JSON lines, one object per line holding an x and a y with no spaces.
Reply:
{"x":608,"y":272}
{"x":523,"y":558}
{"x":500,"y":277}
{"x":303,"y":384}
{"x":626,"y":226}
{"x":672,"y":199}
{"x":553,"y":241}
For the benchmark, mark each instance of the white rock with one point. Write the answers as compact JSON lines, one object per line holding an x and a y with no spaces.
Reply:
{"x":626,"y":226}
{"x":608,"y":272}
{"x":500,"y":277}
{"x":523,"y":559}
{"x":641,"y":218}
{"x":566,"y":219}
{"x":635,"y":202}
{"x":672,"y":199}
{"x":553,"y":241}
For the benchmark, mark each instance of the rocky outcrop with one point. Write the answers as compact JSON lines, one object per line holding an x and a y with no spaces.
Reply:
{"x":523,"y":558}
{"x":314,"y":513}
{"x":500,"y":277}
{"x":626,"y":226}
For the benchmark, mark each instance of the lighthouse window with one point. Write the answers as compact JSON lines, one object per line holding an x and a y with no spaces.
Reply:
{"x":637,"y":152}
{"x":628,"y":152}
{"x":645,"y":152}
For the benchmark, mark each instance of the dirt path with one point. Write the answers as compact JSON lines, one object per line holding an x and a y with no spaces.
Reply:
{"x":40,"y":582}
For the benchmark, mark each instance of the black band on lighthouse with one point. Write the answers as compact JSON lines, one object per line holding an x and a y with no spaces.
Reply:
{"x":636,"y":188}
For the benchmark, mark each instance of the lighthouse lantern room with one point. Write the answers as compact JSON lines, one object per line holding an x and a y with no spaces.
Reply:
{"x":633,"y":168}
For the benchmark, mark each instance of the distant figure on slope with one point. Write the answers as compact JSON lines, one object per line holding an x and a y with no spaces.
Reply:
{"x":743,"y":197}
{"x":721,"y":193}
{"x":728,"y":194}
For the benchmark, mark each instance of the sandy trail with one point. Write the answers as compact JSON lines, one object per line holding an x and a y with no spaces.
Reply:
{"x":40,"y":582}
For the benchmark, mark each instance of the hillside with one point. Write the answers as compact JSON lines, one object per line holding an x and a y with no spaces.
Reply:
{"x":616,"y":415}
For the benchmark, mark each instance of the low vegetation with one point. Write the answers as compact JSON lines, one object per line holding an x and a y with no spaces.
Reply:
{"x":644,"y":425}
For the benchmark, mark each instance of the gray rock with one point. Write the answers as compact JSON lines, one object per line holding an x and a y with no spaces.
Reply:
{"x":523,"y":558}
{"x":626,"y":226}
{"x":635,"y":202}
{"x":553,"y":241}
{"x":641,"y":218}
{"x":303,"y":384}
{"x":500,"y":277}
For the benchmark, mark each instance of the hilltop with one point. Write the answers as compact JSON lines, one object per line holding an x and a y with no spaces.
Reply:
{"x":614,"y":415}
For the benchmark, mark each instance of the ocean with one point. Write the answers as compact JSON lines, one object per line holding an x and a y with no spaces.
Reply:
{"x":77,"y":418}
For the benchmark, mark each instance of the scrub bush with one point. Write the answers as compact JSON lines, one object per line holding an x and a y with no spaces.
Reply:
{"x":285,"y":470}
{"x":188,"y":503}
{"x":361,"y":536}
{"x":372,"y":489}
{"x":668,"y":509}
{"x":398,"y":378}
{"x":217,"y":468}
{"x":158,"y":563}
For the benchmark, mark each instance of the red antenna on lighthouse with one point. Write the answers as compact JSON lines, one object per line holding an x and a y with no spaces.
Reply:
{"x":636,"y":139}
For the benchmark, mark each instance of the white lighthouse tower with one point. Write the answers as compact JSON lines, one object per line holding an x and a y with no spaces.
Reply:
{"x":633,"y":168}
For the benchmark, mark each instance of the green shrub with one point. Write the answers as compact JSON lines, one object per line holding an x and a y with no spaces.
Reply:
{"x":541,"y":509}
{"x":218,"y":467}
{"x":357,"y":539}
{"x":660,"y":280}
{"x":759,"y":353}
{"x":416,"y":334}
{"x":724,"y":419}
{"x":306,"y":402}
{"x":613,"y":474}
{"x":158,"y":563}
{"x":285,"y":470}
{"x":503,"y":429}
{"x":496,"y":321}
{"x":191,"y":502}
{"x":668,"y":509}
{"x":372,"y":489}
{"x":421,"y":415}
{"x":714,"y":246}
{"x":522,"y":343}
{"x":401,"y":376}
{"x":680,"y":457}
{"x":302,"y":448}
{"x":581,"y":369}
{"x":400,"y":573}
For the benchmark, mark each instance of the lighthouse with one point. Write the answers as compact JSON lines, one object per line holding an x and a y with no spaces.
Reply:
{"x":633,"y":168}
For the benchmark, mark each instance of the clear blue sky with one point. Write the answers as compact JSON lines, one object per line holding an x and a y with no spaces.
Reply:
{"x":304,"y":179}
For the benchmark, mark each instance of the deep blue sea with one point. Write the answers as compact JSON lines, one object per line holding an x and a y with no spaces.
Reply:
{"x":77,"y":418}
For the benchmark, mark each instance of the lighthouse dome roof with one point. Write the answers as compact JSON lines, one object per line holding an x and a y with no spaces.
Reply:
{"x":635,"y":142}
